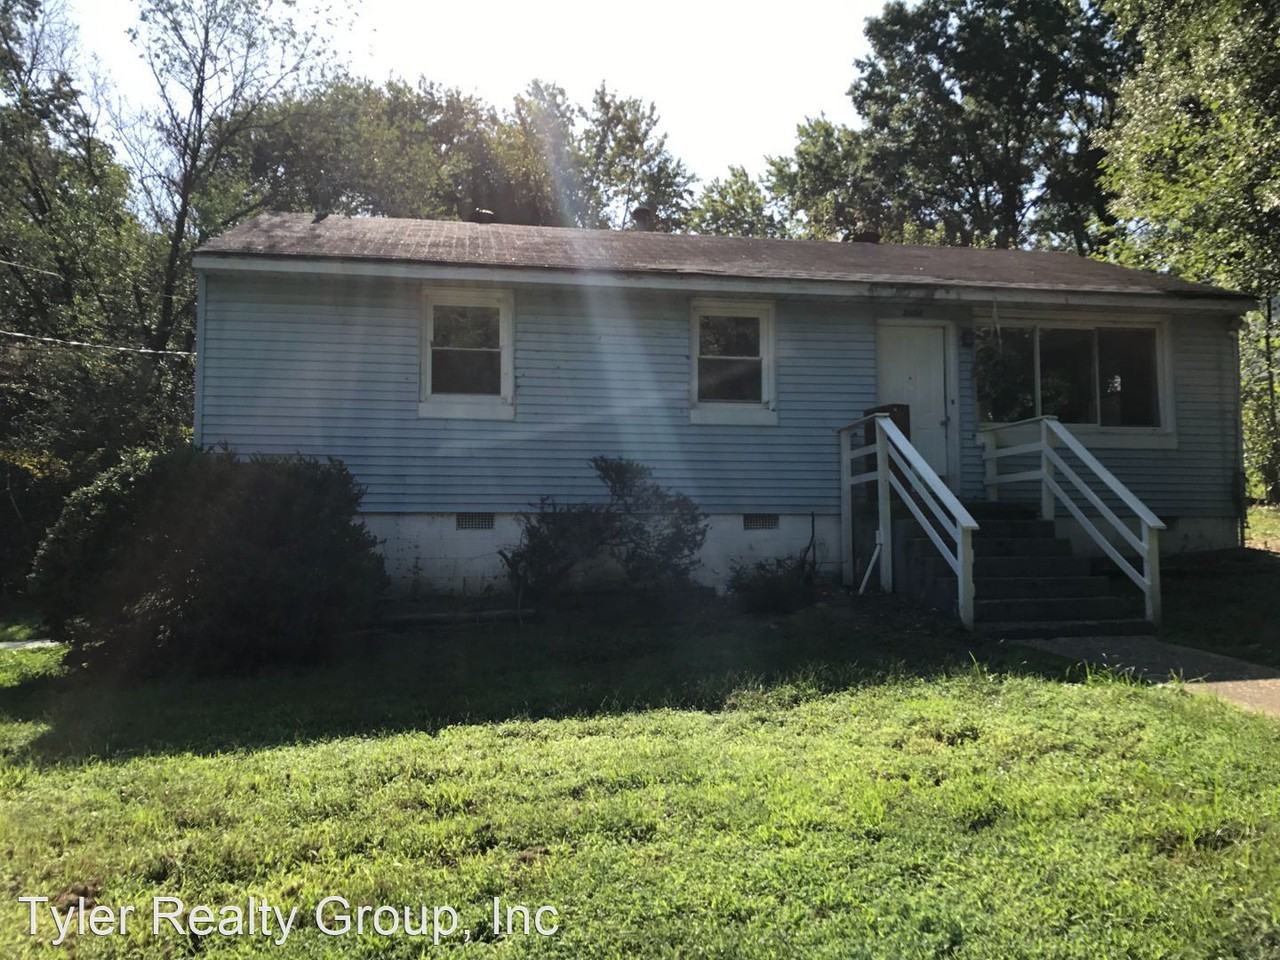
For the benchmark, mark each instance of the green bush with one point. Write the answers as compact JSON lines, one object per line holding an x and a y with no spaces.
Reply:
{"x":199,"y":561}
{"x":652,"y":534}
{"x":777,"y":585}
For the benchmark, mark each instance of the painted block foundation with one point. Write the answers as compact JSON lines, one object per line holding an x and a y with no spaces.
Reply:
{"x":1184,"y":535}
{"x":429,"y":551}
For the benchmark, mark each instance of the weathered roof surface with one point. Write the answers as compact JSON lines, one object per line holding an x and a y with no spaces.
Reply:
{"x":625,"y":251}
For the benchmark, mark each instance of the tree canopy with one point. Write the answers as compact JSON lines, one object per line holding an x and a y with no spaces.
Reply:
{"x":740,"y":206}
{"x":73,"y":264}
{"x":420,"y":149}
{"x":977,"y":126}
{"x":1194,"y":163}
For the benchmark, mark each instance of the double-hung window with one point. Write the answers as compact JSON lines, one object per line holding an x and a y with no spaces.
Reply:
{"x":732,"y":375}
{"x":467,"y":345}
{"x":1107,"y":379}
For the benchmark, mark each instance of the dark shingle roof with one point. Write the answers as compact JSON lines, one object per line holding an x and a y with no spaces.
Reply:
{"x":618,"y":251}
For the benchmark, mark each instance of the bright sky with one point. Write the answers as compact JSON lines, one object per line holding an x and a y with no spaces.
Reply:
{"x":731,"y":80}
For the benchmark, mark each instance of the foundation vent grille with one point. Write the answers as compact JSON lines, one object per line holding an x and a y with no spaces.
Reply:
{"x":474,"y":521}
{"x":759,"y":521}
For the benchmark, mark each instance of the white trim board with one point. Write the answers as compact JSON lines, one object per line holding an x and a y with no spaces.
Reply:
{"x":202,"y":299}
{"x":465,"y":406}
{"x":761,"y":414}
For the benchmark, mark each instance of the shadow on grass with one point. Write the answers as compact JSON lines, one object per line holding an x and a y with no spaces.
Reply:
{"x":570,"y":665}
{"x":1226,"y":602}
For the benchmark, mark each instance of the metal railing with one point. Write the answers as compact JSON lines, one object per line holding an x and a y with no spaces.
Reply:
{"x":1051,"y":433}
{"x":900,"y":467}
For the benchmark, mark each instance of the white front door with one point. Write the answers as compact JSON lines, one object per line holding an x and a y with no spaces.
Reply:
{"x":912,"y":369}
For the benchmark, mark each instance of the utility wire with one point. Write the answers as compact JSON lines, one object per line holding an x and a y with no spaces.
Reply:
{"x":24,"y":266}
{"x":95,"y":346}
{"x":57,"y":276}
{"x":81,"y":343}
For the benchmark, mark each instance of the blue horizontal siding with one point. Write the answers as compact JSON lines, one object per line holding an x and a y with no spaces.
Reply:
{"x":331,"y":369}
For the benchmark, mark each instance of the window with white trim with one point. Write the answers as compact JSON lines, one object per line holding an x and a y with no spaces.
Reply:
{"x":467,"y":346}
{"x":1094,"y":375}
{"x":732,"y":375}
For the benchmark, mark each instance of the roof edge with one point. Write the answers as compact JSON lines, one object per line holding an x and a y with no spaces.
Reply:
{"x":870,"y":287}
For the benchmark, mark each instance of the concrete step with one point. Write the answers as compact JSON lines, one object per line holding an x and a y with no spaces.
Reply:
{"x":1057,"y":608}
{"x":1030,"y":630}
{"x":1026,"y":527}
{"x":1021,"y":547}
{"x":983,"y":510}
{"x":1042,"y":567}
{"x":1028,"y":583}
{"x":998,"y":588}
{"x":918,"y":545}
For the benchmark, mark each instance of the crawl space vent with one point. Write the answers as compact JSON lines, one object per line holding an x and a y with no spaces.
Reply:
{"x":474,"y":521}
{"x":759,"y":521}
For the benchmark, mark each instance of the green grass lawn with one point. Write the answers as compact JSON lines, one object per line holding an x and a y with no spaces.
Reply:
{"x":1264,"y":528}
{"x":18,"y":625}
{"x":831,"y":784}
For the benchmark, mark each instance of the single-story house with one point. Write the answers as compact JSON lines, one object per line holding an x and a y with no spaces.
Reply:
{"x":464,"y":370}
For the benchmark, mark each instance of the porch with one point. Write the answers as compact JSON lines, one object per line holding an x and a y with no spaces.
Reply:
{"x":1000,"y":566}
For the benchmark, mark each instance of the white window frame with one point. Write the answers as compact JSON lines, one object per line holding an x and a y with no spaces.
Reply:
{"x":1164,"y":436}
{"x":463,"y":406}
{"x":735,"y":412}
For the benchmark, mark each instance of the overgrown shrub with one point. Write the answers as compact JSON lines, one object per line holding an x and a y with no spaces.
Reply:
{"x":198,"y":561}
{"x":651,"y":533}
{"x":773,"y":586}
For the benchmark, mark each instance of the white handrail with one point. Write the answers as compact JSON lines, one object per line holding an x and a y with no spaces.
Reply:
{"x":1102,"y":473}
{"x":926,"y":472}
{"x":997,"y":427}
{"x":898,"y":460}
{"x":1052,"y":464}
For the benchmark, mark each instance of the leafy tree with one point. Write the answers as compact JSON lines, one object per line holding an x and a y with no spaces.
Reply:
{"x":978,"y":118}
{"x":81,"y":264}
{"x":353,"y":147}
{"x":1260,"y":395}
{"x":628,"y":164}
{"x":834,"y":190}
{"x":76,"y":266}
{"x":1194,"y":161}
{"x":737,"y":206}
{"x":541,"y":176}
{"x":218,"y":65}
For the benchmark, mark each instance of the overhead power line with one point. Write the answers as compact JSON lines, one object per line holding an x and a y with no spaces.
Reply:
{"x":57,"y":276}
{"x":95,"y":346}
{"x":27,"y":266}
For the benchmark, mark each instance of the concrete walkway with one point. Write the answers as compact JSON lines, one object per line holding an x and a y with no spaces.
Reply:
{"x":1248,"y":684}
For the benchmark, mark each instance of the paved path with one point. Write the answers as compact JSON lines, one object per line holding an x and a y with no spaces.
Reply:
{"x":1247,"y":684}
